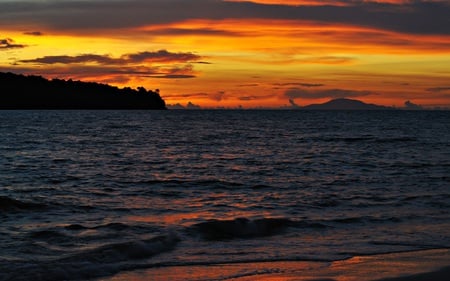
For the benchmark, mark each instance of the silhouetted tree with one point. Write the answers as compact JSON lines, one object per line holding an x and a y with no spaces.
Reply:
{"x":35,"y":92}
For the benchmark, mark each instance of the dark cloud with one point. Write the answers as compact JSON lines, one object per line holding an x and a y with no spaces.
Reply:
{"x":175,"y":106}
{"x":293,"y":104}
{"x":119,"y":74}
{"x":294,"y":93}
{"x":174,"y":76}
{"x":8,"y":43}
{"x":129,"y":64}
{"x":307,"y":85}
{"x":419,"y":16}
{"x":248,"y":85}
{"x":189,"y":95}
{"x":86,"y":58}
{"x":217,"y":96}
{"x":34,"y":33}
{"x":438,"y":89}
{"x":175,"y":72}
{"x":411,"y":105}
{"x":190,"y":105}
{"x":158,"y":56}
{"x":254,"y":97}
{"x":194,"y":31}
{"x":90,"y":70}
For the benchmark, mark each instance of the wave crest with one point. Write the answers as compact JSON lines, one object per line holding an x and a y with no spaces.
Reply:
{"x":240,"y":228}
{"x":12,"y":205}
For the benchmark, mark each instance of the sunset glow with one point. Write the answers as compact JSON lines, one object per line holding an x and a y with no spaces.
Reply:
{"x":233,"y":54}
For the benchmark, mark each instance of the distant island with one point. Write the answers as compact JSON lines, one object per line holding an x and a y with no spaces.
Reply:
{"x":345,"y":104}
{"x":35,"y":92}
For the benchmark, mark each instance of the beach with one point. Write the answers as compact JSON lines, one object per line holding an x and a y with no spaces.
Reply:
{"x":427,"y":265}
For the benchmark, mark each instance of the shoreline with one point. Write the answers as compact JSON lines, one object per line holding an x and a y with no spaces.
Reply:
{"x":421,"y":265}
{"x":438,"y":275}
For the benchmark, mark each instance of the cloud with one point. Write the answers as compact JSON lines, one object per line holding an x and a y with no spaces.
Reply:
{"x":141,"y":57}
{"x":106,"y":73}
{"x":159,"y":64}
{"x":418,"y":16}
{"x":293,"y":104}
{"x":217,"y":96}
{"x":410,"y":105}
{"x":255,"y":97}
{"x":175,"y":106}
{"x":438,"y":89}
{"x":85,"y":58}
{"x":34,"y":33}
{"x":8,"y":43}
{"x":193,"y":31}
{"x":87,"y":70}
{"x":295,"y":93}
{"x":190,"y":105}
{"x":327,"y":60}
{"x":160,"y":56}
{"x":248,"y":85}
{"x":174,"y":76}
{"x":177,"y":72}
{"x":189,"y":95}
{"x":308,"y":85}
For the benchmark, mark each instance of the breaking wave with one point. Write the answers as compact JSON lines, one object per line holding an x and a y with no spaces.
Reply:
{"x":240,"y":228}
{"x":102,"y":261}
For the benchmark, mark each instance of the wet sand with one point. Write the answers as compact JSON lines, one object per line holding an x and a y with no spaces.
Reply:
{"x":427,"y":265}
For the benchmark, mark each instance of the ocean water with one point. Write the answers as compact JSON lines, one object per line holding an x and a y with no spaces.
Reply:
{"x":89,"y":194}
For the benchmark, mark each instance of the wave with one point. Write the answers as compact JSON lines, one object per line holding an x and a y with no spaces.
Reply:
{"x":13,"y":205}
{"x":48,"y":235}
{"x":396,"y":139}
{"x":102,"y":261}
{"x":112,"y":227}
{"x":130,"y":250}
{"x":375,"y":139}
{"x":240,"y":228}
{"x":365,"y":219}
{"x":346,"y":139}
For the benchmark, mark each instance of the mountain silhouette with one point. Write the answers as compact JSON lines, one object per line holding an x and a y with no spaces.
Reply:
{"x":345,"y":104}
{"x":35,"y":92}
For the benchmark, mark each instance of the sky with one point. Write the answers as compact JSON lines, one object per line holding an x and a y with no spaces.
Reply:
{"x":238,"y":54}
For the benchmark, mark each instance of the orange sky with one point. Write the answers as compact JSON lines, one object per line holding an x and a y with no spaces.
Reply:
{"x":213,"y":53}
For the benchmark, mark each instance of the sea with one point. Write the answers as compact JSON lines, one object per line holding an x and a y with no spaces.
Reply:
{"x":86,"y":195}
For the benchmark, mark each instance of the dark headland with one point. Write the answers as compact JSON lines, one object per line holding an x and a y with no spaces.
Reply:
{"x":35,"y":92}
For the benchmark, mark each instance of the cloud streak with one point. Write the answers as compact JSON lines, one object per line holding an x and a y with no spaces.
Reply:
{"x":159,"y":64}
{"x":418,"y":17}
{"x":8,"y":43}
{"x":327,"y":60}
{"x":295,"y":93}
{"x":308,"y":85}
{"x":439,"y":89}
{"x":161,"y":56}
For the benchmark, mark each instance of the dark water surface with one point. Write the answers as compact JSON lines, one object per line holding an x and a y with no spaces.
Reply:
{"x":88,"y":194}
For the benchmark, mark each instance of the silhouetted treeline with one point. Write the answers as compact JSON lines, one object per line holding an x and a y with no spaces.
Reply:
{"x":35,"y":92}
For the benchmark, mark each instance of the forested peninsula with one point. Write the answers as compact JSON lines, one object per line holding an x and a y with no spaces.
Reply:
{"x":18,"y":91}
